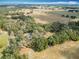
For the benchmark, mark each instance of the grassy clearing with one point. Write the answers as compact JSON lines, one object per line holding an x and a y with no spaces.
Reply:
{"x":49,"y":18}
{"x":67,"y":50}
{"x":3,"y":41}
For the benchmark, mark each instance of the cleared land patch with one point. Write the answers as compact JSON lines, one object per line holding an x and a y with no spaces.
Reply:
{"x":67,"y":50}
{"x":43,"y":19}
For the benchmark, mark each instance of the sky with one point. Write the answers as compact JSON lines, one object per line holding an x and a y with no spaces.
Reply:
{"x":41,"y":1}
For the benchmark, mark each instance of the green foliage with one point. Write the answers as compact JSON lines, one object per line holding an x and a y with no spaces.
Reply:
{"x":3,"y":41}
{"x":73,"y":17}
{"x":74,"y":25}
{"x":63,"y":36}
{"x":14,"y":56}
{"x":73,"y":35}
{"x":54,"y":27}
{"x":58,"y":38}
{"x":53,"y":40}
{"x":39,"y":44}
{"x":12,"y":51}
{"x":2,"y":22}
{"x":67,"y":16}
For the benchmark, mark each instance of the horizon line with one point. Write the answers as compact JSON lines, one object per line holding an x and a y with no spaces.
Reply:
{"x":59,"y":2}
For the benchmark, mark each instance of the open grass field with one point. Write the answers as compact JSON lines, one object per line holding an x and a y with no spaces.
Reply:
{"x":55,"y":16}
{"x":48,"y":18}
{"x":66,"y":13}
{"x":67,"y":50}
{"x":3,"y":41}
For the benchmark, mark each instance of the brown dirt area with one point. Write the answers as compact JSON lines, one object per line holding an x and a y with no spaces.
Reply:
{"x":67,"y":50}
{"x":48,"y":18}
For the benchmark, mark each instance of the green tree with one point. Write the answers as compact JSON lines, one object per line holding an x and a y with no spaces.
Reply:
{"x":54,"y":27}
{"x":39,"y":44}
{"x":2,"y":22}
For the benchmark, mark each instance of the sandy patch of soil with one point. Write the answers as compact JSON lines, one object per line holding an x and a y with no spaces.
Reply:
{"x":48,"y":18}
{"x":37,"y":20}
{"x":67,"y":50}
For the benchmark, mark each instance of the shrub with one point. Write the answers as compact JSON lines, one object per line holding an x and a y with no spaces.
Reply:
{"x":63,"y":36}
{"x":47,"y":27}
{"x":63,"y":15}
{"x":52,"y":40}
{"x":12,"y":51}
{"x":67,"y":16}
{"x":2,"y":22}
{"x":58,"y":38}
{"x":77,"y":23}
{"x":73,"y":17}
{"x":54,"y":27}
{"x":72,"y":35}
{"x":14,"y":56}
{"x":39,"y":44}
{"x":74,"y":25}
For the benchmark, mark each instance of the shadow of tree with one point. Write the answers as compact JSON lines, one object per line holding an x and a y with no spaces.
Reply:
{"x":72,"y":53}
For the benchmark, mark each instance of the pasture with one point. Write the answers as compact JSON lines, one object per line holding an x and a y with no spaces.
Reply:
{"x":65,"y":13}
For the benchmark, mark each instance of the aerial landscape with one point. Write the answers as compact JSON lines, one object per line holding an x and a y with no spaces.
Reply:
{"x":39,"y":29}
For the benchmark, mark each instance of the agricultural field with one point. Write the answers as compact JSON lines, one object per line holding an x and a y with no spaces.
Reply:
{"x":49,"y":18}
{"x":57,"y":16}
{"x":66,"y":13}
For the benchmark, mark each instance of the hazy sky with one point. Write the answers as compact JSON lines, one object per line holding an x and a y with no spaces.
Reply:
{"x":40,"y":1}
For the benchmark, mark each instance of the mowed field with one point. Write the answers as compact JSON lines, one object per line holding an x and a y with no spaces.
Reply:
{"x":67,"y":50}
